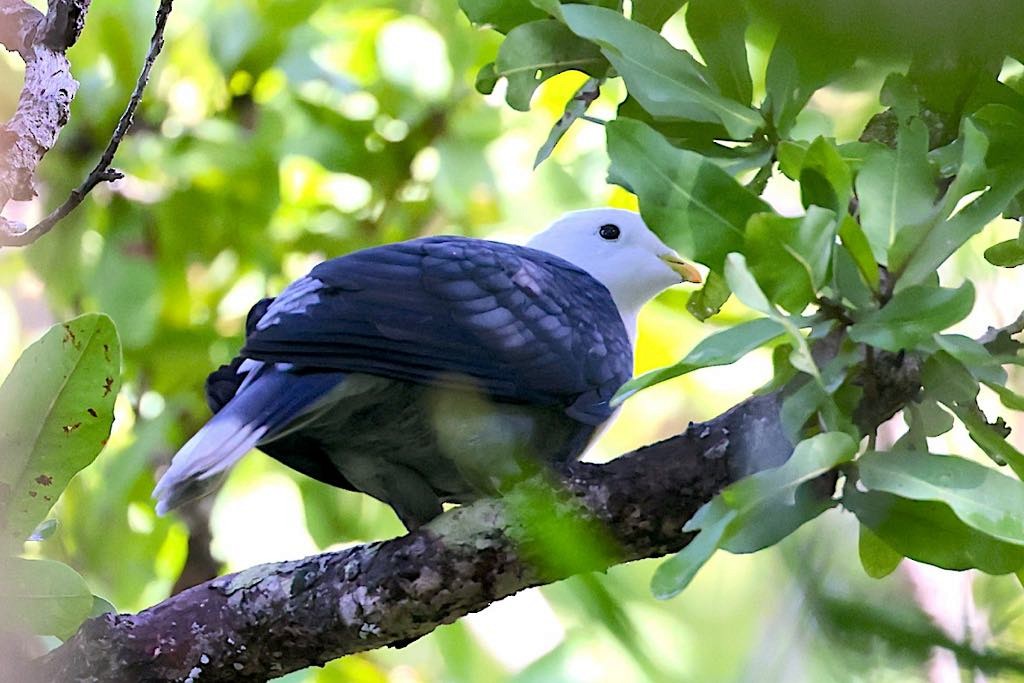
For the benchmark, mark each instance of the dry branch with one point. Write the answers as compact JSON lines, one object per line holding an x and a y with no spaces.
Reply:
{"x":45,"y":105}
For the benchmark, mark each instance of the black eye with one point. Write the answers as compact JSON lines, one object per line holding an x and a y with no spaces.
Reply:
{"x":609,"y":232}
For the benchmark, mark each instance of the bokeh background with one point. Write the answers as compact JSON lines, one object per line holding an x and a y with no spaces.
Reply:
{"x":277,"y":133}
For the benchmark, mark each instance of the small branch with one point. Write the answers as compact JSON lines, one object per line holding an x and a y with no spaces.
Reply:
{"x":13,"y":236}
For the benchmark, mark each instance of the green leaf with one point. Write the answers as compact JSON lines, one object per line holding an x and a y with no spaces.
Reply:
{"x":848,"y":282}
{"x":990,"y":436}
{"x":757,"y":511}
{"x":722,"y":348}
{"x":675,"y":573}
{"x":876,"y":556}
{"x":667,"y":82}
{"x":744,"y":285}
{"x":709,"y":299}
{"x":824,"y":176}
{"x":974,"y":356}
{"x":896,"y":188}
{"x":502,"y":15}
{"x":691,"y":203}
{"x":790,"y":257}
{"x":58,"y":409}
{"x":718,"y":29}
{"x":798,"y":66}
{"x":947,"y":380}
{"x":534,"y":52}
{"x":574,"y":109}
{"x":993,"y":142}
{"x":773,"y":503}
{"x":980,"y":496}
{"x":856,"y":242}
{"x":101,"y":606}
{"x":1008,"y":254}
{"x":654,"y":13}
{"x":913,"y":315}
{"x":42,"y":597}
{"x":929,"y":531}
{"x":1010,"y":399}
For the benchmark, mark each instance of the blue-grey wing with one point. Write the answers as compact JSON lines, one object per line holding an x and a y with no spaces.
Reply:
{"x":520,"y":324}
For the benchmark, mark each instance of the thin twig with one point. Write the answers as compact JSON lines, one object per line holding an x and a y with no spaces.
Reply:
{"x":102,"y":172}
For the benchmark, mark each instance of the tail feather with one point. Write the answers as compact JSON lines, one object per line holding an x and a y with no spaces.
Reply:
{"x":266,"y":404}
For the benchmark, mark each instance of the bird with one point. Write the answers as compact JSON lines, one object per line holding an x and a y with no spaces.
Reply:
{"x":435,"y":370}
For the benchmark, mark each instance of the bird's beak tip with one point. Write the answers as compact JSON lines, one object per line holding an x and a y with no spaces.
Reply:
{"x":685,"y":270}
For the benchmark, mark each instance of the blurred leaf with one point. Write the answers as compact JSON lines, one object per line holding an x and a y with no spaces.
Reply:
{"x":790,"y":257}
{"x":669,"y":83}
{"x":913,"y":315}
{"x":718,"y":29}
{"x":876,"y":556}
{"x":534,"y":52}
{"x":707,"y":301}
{"x":1007,"y":254}
{"x":929,"y":532}
{"x":980,"y":496}
{"x":58,"y":410}
{"x":42,"y":597}
{"x":654,"y":13}
{"x":691,"y":203}
{"x":574,"y":109}
{"x":722,"y":348}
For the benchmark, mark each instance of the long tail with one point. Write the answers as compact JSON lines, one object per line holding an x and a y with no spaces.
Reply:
{"x":267,"y":402}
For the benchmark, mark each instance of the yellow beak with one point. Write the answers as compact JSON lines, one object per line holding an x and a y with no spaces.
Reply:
{"x":685,"y":270}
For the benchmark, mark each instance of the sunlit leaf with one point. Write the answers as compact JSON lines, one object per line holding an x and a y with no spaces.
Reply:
{"x":58,"y":407}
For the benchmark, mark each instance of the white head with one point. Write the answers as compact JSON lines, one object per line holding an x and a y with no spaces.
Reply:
{"x":618,"y":249}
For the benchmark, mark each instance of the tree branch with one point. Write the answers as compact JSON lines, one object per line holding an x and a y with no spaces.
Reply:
{"x":52,"y":96}
{"x":276,"y":618}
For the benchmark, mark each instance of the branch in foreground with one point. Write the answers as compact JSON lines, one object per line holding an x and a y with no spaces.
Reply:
{"x":12,"y":234}
{"x":276,"y":618}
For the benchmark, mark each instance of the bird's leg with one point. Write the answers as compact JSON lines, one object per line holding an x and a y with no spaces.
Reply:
{"x":408,"y":493}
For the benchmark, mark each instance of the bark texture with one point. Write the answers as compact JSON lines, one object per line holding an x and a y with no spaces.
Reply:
{"x":45,"y":101}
